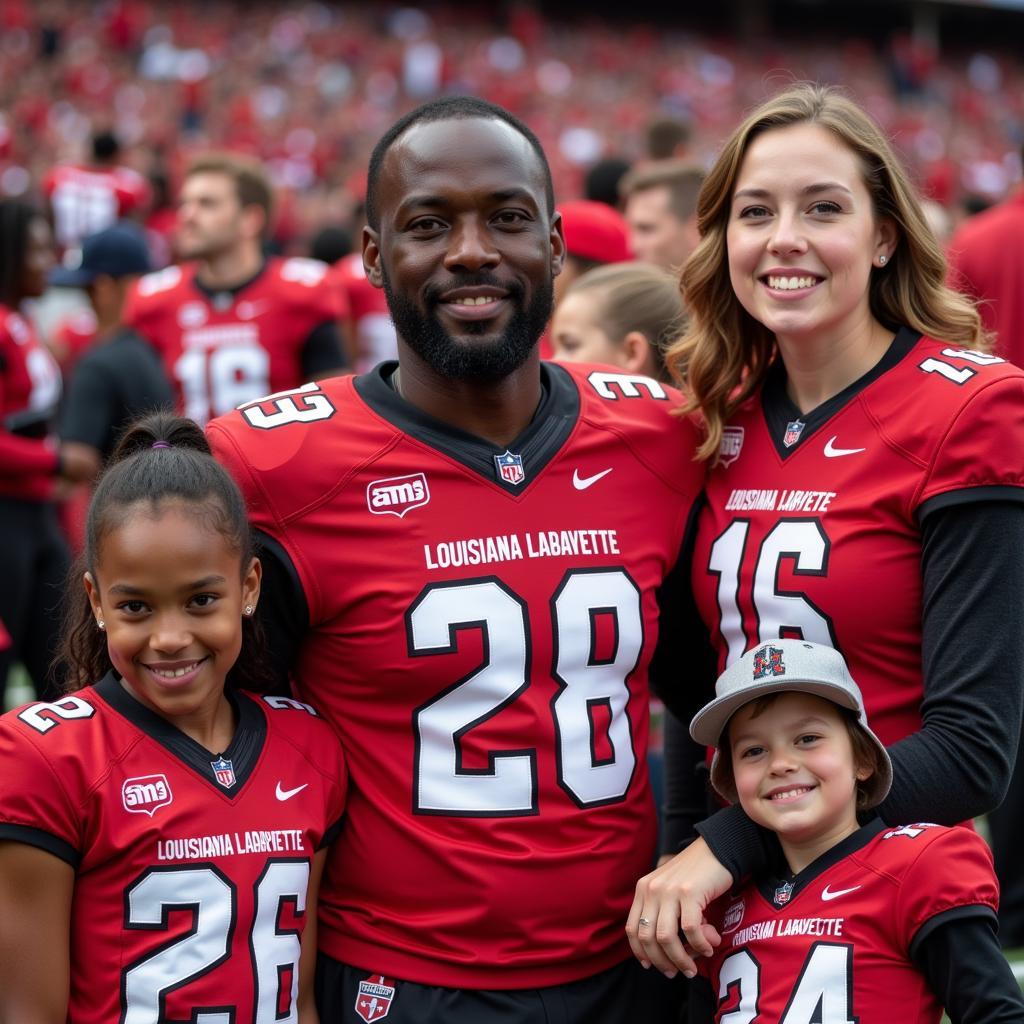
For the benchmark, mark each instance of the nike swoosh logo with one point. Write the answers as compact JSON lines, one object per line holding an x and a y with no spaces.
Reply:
{"x":287,"y":794}
{"x":581,"y":483}
{"x":827,"y":895}
{"x":834,"y":453}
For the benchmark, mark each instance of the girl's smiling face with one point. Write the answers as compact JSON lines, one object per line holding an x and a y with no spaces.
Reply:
{"x":171,"y":592}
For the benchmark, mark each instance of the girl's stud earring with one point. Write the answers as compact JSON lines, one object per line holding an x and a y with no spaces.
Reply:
{"x":249,"y":609}
{"x":881,"y":261}
{"x":100,"y":624}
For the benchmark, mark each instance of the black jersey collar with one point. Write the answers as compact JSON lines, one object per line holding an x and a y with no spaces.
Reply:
{"x":537,"y":445}
{"x":225,"y":297}
{"x":243,"y":751}
{"x":781,"y":413}
{"x":780,"y":887}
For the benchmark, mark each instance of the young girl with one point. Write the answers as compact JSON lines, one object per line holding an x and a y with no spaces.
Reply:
{"x":624,"y":314}
{"x":853,"y":921}
{"x":162,"y":832}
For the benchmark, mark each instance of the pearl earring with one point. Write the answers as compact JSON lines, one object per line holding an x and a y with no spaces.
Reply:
{"x":881,"y":261}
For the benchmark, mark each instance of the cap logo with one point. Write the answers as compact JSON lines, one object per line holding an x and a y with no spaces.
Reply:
{"x":768,"y":662}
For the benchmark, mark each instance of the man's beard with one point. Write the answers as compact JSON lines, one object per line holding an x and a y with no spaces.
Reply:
{"x":485,"y":362}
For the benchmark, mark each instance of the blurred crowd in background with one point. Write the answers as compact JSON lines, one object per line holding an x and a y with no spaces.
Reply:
{"x":308,"y":88}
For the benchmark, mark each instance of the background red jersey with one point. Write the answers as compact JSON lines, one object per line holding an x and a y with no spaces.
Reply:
{"x":30,"y":388}
{"x":841,"y":934}
{"x":230,"y":347}
{"x":189,"y":891}
{"x":821,"y":539}
{"x":481,"y":624}
{"x":85,"y":200}
{"x":372,"y":330}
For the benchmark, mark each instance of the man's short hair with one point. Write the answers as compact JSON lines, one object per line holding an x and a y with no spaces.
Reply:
{"x":448,"y":108}
{"x":665,"y":135}
{"x":251,"y":182}
{"x":682,"y":179}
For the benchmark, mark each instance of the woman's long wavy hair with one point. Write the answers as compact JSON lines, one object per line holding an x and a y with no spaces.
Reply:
{"x":161,"y":457}
{"x":725,"y":353}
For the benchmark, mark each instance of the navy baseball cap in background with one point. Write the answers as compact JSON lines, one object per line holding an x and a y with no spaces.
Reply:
{"x":115,"y":252}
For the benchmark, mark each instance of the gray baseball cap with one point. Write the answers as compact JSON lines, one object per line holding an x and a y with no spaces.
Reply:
{"x":780,"y":666}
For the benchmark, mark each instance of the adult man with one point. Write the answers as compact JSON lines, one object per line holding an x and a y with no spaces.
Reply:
{"x":86,"y":198}
{"x":454,"y":569}
{"x":233,"y":325}
{"x":120,"y":375}
{"x":661,"y":210}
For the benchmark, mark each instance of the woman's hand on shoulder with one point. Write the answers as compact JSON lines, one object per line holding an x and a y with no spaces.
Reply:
{"x":666,"y":925}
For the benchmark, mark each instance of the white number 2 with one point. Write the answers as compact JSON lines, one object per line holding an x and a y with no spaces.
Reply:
{"x":211,"y":898}
{"x":508,"y":786}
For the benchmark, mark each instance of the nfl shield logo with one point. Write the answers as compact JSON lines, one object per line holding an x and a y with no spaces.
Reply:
{"x":224,"y":771}
{"x":510,"y":467}
{"x":374,"y":998}
{"x":793,"y":432}
{"x":783,"y":893}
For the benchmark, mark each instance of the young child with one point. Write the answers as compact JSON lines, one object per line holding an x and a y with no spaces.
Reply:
{"x":859,"y":921}
{"x":162,"y":832}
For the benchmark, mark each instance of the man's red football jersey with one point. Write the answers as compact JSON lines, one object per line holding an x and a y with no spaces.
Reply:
{"x":231,"y":347}
{"x":838,"y":937}
{"x":481,"y":625}
{"x":86,"y":200}
{"x":191,"y":869}
{"x":30,"y":388}
{"x":373,"y":331}
{"x":812,"y":524}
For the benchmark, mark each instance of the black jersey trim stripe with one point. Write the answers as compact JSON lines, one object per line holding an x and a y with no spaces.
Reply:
{"x":211,"y":294}
{"x":969,"y":496}
{"x":30,"y":836}
{"x":946,"y":917}
{"x":553,"y":422}
{"x":243,"y":751}
{"x":802,"y":879}
{"x":779,"y":409}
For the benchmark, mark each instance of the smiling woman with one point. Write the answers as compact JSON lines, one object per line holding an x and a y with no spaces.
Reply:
{"x":864,"y":489}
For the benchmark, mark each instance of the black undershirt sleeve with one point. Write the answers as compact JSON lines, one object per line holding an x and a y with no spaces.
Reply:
{"x":322,"y":351}
{"x":958,"y":764}
{"x":959,"y":955}
{"x":282,"y":610}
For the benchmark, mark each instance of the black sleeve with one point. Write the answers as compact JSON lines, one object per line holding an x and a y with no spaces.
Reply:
{"x":958,"y":764}
{"x":959,"y":955}
{"x":282,"y":610}
{"x":322,"y":351}
{"x":89,"y":406}
{"x":683,"y":676}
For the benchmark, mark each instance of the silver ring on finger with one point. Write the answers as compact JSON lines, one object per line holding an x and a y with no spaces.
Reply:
{"x":645,"y":922}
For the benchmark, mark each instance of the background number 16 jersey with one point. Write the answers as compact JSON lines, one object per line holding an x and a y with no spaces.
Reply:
{"x":481,"y":625}
{"x":812,"y":524}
